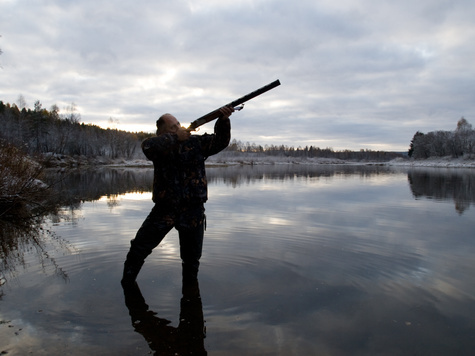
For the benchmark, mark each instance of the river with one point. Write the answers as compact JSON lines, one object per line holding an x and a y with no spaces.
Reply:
{"x":297,"y":260}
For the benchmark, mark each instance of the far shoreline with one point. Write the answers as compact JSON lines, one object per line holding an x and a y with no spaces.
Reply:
{"x":215,"y":162}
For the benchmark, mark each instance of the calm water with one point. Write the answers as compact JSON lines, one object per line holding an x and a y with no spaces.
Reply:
{"x":326,"y":260}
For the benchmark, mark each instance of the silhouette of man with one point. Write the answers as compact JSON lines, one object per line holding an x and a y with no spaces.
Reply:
{"x":179,"y":191}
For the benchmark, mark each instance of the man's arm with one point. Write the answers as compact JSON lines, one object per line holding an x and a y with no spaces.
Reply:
{"x":159,"y":146}
{"x":217,"y":142}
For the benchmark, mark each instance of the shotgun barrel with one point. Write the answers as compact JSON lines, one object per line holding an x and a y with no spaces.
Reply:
{"x":215,"y":113}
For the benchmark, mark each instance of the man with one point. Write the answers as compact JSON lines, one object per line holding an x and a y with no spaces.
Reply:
{"x":179,"y":192}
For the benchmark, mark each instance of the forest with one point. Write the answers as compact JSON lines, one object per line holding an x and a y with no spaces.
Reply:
{"x":39,"y":131}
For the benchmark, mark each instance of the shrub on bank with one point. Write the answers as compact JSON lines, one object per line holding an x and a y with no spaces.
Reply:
{"x":21,"y":190}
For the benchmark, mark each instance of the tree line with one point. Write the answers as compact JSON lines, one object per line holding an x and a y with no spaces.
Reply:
{"x":457,"y":143}
{"x":39,"y":131}
{"x":310,"y":152}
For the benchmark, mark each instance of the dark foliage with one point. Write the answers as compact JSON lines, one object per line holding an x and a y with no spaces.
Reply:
{"x":40,"y":131}
{"x":457,"y":143}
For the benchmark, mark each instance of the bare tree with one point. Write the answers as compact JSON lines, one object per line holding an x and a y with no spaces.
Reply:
{"x":463,"y":134}
{"x":21,"y":102}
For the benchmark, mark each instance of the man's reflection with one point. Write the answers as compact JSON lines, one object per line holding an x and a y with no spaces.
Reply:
{"x":163,"y":339}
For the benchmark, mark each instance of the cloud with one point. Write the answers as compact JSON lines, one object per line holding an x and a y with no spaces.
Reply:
{"x":355,"y":74}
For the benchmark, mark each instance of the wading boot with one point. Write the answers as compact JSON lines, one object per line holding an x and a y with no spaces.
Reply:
{"x":190,"y":272}
{"x":130,"y":274}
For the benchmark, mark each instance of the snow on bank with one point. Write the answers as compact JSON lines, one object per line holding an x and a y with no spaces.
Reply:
{"x":441,"y":162}
{"x":244,"y":159}
{"x":268,"y":160}
{"x":233,"y":160}
{"x":251,"y":159}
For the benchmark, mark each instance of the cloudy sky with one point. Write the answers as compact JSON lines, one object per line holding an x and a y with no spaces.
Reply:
{"x":355,"y":73}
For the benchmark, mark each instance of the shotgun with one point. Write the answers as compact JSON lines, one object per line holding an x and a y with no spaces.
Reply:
{"x":236,"y":104}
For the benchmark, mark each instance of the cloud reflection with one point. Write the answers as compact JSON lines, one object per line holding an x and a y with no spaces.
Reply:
{"x":297,"y":260}
{"x":357,"y":266}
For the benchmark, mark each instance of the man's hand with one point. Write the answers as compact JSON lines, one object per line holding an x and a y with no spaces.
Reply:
{"x":226,"y":111}
{"x":183,"y":134}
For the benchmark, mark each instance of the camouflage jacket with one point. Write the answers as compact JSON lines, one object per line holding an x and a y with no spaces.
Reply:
{"x":179,"y":167}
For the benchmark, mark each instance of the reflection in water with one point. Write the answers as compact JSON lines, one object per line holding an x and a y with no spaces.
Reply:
{"x":23,"y":236}
{"x":440,"y":184}
{"x":300,"y":260}
{"x":27,"y":234}
{"x":163,"y":339}
{"x":238,"y":175}
{"x":76,"y":186}
{"x":89,"y":185}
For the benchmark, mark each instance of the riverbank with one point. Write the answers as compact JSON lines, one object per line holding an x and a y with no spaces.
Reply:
{"x":226,"y":159}
{"x":436,"y":162}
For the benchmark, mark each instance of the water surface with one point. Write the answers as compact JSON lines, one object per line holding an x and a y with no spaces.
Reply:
{"x":298,"y":260}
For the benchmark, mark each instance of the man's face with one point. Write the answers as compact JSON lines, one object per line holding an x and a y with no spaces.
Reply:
{"x":171,"y":124}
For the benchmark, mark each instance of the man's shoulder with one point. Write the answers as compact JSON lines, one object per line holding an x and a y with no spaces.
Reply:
{"x":197,"y":139}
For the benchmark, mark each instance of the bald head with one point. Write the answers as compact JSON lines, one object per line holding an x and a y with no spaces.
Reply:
{"x":167,"y":123}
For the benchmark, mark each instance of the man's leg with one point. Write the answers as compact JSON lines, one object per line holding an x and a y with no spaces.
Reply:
{"x":191,"y":228}
{"x":155,"y":227}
